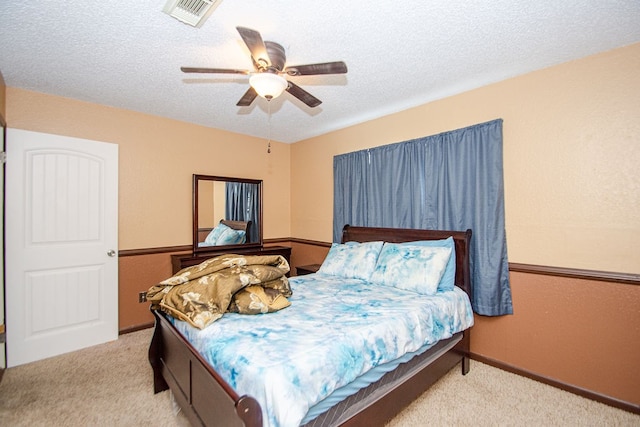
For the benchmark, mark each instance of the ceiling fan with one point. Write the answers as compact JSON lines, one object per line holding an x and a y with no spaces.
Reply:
{"x":269,"y":61}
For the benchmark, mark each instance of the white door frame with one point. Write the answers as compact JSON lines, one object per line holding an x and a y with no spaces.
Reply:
{"x":3,"y":126}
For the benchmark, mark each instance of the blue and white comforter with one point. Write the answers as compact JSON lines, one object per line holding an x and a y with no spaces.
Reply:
{"x":334,"y":331}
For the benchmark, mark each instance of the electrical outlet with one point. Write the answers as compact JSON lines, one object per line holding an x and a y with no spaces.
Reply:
{"x":142,"y":297}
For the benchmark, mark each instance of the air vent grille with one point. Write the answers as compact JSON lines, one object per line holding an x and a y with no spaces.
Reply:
{"x":192,"y":12}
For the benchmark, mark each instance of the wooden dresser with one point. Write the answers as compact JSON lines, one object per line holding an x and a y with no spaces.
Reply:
{"x":178,"y":262}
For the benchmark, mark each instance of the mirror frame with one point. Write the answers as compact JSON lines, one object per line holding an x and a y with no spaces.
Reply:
{"x":199,"y":250}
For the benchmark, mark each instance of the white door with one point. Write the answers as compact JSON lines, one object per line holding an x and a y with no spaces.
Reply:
{"x":61,"y":244}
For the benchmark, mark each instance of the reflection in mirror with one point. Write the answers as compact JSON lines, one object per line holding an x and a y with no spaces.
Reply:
{"x":227,"y":212}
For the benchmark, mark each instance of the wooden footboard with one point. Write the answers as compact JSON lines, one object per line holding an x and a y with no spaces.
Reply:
{"x":205,"y":398}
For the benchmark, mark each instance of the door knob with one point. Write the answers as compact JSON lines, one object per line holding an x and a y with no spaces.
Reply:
{"x":111,"y":253}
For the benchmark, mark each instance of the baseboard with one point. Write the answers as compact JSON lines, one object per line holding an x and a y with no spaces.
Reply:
{"x":607,"y":400}
{"x":135,"y":328}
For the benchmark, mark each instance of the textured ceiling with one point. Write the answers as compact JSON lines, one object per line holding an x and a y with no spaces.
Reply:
{"x":401,"y":54}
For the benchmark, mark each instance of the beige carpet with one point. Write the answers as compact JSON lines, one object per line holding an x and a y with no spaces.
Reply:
{"x":111,"y":385}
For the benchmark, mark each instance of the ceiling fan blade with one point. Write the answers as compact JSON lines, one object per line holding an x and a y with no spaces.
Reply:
{"x":247,"y":98}
{"x":337,"y":67}
{"x":303,"y":95}
{"x":256,"y":46}
{"x":212,"y":70}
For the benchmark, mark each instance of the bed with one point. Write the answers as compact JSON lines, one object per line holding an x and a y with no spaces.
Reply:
{"x":207,"y":398}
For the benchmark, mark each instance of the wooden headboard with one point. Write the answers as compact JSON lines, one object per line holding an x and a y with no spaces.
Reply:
{"x":236,"y":225}
{"x":461,"y":239}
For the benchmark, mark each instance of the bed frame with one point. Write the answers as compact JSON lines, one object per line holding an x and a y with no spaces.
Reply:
{"x":236,"y":225}
{"x":206,"y":399}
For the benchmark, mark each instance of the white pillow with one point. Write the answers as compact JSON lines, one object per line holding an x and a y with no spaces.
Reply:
{"x":413,"y":268}
{"x":231,"y":237}
{"x":447,"y":282}
{"x":351,"y":260}
{"x":214,"y":234}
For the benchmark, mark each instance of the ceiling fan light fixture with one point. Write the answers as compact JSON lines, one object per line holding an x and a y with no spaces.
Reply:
{"x":268,"y":85}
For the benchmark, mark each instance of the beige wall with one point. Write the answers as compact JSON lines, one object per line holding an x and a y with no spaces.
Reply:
{"x":571,"y":155}
{"x":157,"y":158}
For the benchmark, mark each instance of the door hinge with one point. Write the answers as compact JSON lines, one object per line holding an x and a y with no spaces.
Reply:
{"x":3,"y":157}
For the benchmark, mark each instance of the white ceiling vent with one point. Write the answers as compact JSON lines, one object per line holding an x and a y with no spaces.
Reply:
{"x":192,"y":12}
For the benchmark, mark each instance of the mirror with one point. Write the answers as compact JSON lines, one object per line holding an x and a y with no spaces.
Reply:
{"x":227,"y":213}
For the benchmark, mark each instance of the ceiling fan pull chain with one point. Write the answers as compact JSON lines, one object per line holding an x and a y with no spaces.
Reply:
{"x":269,"y":123}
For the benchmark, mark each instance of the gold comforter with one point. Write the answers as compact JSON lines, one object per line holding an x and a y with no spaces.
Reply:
{"x":201,"y":294}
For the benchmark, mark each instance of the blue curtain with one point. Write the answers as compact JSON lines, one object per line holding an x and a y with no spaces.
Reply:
{"x":449,"y":181}
{"x":242,"y":205}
